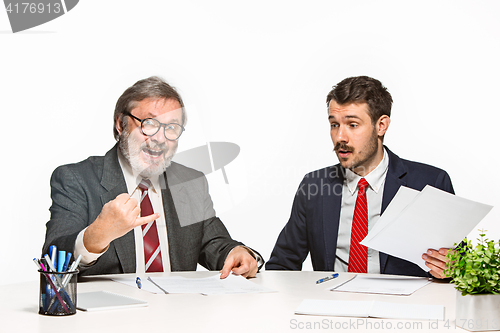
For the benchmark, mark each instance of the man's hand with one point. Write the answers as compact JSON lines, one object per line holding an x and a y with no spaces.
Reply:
{"x":436,"y":261}
{"x":117,"y":217}
{"x":240,"y":262}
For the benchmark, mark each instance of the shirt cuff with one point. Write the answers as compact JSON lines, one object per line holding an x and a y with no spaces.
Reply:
{"x":88,"y":258}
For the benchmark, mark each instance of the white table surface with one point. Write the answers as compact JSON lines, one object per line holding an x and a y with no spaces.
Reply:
{"x":262,"y":312}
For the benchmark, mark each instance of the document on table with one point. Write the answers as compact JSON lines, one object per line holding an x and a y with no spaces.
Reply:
{"x":389,"y":285}
{"x":212,"y":285}
{"x":374,"y":309}
{"x":417,"y":221}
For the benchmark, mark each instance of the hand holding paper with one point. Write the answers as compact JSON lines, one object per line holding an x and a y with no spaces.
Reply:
{"x":436,"y":261}
{"x":415,"y":222}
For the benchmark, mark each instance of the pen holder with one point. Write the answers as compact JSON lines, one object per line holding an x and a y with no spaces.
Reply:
{"x":57,"y":293}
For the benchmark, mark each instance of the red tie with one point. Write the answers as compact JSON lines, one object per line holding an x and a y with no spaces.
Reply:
{"x":152,"y":253}
{"x":358,"y":252}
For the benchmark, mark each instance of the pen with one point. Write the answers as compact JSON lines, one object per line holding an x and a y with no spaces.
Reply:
{"x":74,"y":265}
{"x":151,"y":280}
{"x":139,"y":283}
{"x":49,"y":280}
{"x":333,"y":276}
{"x":53,"y":255}
{"x":57,"y":281}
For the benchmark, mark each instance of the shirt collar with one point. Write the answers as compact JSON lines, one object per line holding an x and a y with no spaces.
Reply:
{"x":375,"y":178}
{"x":133,"y":179}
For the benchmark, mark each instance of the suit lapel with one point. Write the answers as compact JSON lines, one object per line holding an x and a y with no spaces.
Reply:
{"x":332,"y":203}
{"x":394,"y":180}
{"x":114,"y":182}
{"x":175,"y":244}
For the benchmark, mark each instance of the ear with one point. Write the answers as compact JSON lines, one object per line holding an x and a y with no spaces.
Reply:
{"x":118,"y":126}
{"x":382,"y":125}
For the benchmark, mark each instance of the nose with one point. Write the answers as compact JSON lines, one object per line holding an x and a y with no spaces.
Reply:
{"x":159,"y":136}
{"x":341,"y":135}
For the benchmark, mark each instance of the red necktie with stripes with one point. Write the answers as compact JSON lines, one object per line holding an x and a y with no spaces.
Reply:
{"x":152,"y":253}
{"x":358,"y":253}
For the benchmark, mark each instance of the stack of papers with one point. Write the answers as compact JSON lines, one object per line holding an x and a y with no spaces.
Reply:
{"x":374,"y":309}
{"x":417,"y":221}
{"x":212,"y":285}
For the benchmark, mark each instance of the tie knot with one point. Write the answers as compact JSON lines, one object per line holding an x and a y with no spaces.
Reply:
{"x":362,"y":184}
{"x":145,"y":184}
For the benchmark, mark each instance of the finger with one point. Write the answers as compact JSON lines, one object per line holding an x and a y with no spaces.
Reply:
{"x":434,"y":261}
{"x":131,"y":202}
{"x":228,"y":265}
{"x":444,"y":251}
{"x":440,"y":255}
{"x":242,"y":269}
{"x":434,"y":256}
{"x":435,"y":271}
{"x":252,"y":271}
{"x":146,"y":219}
{"x":122,"y":198}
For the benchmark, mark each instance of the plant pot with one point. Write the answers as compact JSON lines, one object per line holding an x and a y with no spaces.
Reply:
{"x":478,"y":312}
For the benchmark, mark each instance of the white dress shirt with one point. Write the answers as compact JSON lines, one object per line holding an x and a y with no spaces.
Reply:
{"x":374,"y":193}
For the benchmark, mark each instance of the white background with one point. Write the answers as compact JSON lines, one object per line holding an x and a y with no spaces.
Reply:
{"x":255,"y":74}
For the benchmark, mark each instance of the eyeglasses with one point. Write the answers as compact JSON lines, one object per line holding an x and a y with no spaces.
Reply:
{"x":151,"y":126}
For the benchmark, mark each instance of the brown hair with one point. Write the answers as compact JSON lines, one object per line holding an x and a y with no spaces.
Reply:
{"x":363,"y":89}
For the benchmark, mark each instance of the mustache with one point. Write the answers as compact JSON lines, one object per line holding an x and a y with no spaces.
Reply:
{"x":154,"y":146}
{"x":343,"y":146}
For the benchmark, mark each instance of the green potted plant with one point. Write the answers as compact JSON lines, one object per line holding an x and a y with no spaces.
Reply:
{"x":475,"y":271}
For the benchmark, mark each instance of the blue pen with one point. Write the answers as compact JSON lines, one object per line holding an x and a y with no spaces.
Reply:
{"x":66,"y":262}
{"x":139,"y":282}
{"x":333,"y":276}
{"x":60,"y":261}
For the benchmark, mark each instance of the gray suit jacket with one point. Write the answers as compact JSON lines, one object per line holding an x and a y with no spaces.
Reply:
{"x":195,"y":235}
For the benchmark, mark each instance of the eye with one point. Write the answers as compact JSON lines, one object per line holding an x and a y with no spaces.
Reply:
{"x":149,"y":122}
{"x":334,"y":125}
{"x":353,"y":125}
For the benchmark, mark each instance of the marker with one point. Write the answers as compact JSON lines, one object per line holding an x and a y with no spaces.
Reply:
{"x":54,"y":289}
{"x":330,"y":277}
{"x":139,"y":283}
{"x":66,"y":262}
{"x":61,"y":260}
{"x":41,"y":261}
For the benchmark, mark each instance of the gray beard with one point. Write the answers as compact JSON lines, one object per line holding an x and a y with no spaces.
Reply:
{"x":137,"y":165}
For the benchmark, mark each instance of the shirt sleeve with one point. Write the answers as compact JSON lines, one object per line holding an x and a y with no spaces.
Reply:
{"x":88,"y":258}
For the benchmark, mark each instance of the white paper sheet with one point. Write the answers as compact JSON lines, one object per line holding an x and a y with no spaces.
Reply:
{"x":373,"y":309}
{"x":380,"y":284}
{"x":212,"y":285}
{"x":430,"y":220}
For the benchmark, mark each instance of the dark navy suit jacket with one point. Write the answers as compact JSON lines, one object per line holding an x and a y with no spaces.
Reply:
{"x":314,"y":220}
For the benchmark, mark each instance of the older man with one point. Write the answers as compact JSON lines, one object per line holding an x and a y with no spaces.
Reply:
{"x":133,"y":210}
{"x":336,"y":206}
